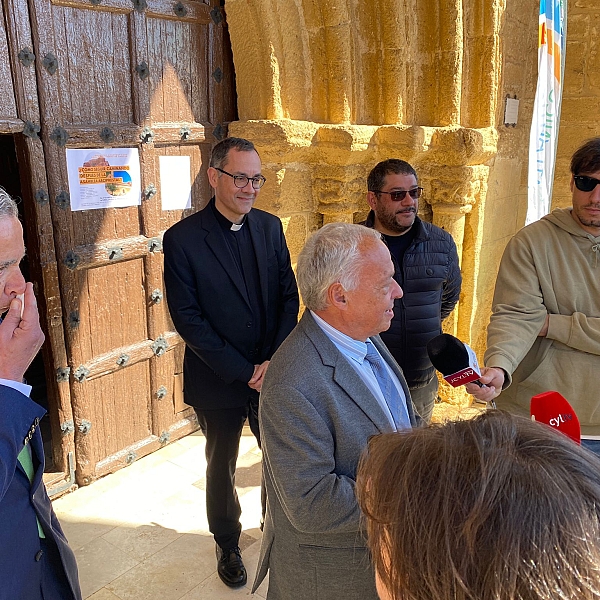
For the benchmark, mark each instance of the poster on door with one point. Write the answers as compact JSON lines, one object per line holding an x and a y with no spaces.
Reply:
{"x":104,"y":178}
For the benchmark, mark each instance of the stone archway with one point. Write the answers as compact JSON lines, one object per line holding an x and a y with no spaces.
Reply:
{"x":327,"y":89}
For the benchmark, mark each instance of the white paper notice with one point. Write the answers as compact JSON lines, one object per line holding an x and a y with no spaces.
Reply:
{"x":175,"y":182}
{"x":511,"y":112}
{"x":104,"y":178}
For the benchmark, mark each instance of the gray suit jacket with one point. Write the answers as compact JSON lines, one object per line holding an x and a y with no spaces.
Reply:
{"x":316,"y":417}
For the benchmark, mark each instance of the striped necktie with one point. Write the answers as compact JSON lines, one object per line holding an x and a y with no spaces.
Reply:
{"x":388,"y":388}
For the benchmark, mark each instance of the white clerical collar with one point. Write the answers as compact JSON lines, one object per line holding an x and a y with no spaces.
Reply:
{"x":236,"y":227}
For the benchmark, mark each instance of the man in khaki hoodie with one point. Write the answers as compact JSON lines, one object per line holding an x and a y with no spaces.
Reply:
{"x":544,"y":333}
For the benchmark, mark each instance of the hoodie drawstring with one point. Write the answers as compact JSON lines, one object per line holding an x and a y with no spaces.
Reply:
{"x":596,"y":251}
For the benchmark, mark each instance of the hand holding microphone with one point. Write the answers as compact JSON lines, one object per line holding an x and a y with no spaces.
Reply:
{"x":492,"y":379}
{"x":458,"y":364}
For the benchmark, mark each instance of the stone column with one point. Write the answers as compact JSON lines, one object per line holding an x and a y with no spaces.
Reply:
{"x":451,"y":218}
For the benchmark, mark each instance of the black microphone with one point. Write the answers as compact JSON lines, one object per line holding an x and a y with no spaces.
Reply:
{"x":454,"y":360}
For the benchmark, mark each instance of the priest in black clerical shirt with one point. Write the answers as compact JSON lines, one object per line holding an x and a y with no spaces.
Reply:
{"x":233,"y":299}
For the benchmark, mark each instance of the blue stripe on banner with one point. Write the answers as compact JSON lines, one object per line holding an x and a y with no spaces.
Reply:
{"x":549,"y":10}
{"x":557,"y":21}
{"x":542,"y":7}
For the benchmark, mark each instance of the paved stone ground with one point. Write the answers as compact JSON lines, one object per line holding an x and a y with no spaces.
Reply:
{"x":142,"y":534}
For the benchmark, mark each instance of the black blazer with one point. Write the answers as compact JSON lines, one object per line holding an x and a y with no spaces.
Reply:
{"x":21,"y":502}
{"x":210,"y":309}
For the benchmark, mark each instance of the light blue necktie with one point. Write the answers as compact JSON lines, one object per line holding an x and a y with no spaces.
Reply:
{"x":387,"y":387}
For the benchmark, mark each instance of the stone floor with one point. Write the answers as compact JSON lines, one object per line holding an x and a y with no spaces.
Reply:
{"x":141,"y":533}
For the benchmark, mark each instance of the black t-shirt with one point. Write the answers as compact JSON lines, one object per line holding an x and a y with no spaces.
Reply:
{"x":240,"y":243}
{"x":398,"y":244}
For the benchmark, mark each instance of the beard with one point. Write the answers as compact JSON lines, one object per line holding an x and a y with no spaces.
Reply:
{"x":389,"y":221}
{"x":586,"y":221}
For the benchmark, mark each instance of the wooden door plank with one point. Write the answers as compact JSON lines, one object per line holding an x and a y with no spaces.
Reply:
{"x":139,"y":42}
{"x":194,"y":11}
{"x":156,"y":104}
{"x":183,"y":39}
{"x":8,"y":106}
{"x":199,"y":74}
{"x":32,"y":159}
{"x":11,"y":125}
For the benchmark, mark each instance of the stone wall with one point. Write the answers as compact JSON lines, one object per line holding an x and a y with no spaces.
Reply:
{"x":327,"y":89}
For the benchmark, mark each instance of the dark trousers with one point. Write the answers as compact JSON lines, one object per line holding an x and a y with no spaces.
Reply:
{"x":424,"y":398}
{"x":223,"y":430}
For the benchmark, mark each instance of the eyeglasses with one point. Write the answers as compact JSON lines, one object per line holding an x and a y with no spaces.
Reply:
{"x":584,"y":183}
{"x":241,"y":181}
{"x":398,"y":195}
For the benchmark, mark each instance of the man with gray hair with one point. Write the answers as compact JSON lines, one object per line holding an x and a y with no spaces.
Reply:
{"x":35,"y":560}
{"x":330,"y":387}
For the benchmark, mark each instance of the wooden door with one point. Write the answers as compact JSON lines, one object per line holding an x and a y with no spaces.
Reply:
{"x":151,"y":74}
{"x":20,"y":117}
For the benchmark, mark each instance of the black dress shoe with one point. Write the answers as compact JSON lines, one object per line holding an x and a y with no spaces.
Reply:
{"x":230,"y":567}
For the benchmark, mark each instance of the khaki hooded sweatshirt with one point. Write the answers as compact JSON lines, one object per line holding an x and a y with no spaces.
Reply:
{"x":549,"y":267}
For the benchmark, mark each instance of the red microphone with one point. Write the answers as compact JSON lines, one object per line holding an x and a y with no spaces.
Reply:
{"x":554,"y":410}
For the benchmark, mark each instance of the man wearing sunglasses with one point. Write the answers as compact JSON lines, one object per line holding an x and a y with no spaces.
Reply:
{"x":426,"y":267}
{"x":232,"y":296}
{"x":544,"y":333}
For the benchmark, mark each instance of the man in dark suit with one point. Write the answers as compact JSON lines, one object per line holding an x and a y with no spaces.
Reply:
{"x":35,"y":560}
{"x":233,"y":299}
{"x":330,"y":387}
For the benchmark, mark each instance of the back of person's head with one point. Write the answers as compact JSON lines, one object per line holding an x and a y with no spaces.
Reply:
{"x":586,"y":159}
{"x":494,"y":508}
{"x":395,"y":166}
{"x":8,"y":207}
{"x":331,"y":254}
{"x":218,"y":156}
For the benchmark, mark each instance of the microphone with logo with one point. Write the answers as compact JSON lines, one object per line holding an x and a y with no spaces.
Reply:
{"x":455,"y":360}
{"x":553,"y":409}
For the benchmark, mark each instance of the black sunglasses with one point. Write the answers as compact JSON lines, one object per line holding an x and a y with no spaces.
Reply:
{"x":398,"y":195}
{"x":584,"y":183}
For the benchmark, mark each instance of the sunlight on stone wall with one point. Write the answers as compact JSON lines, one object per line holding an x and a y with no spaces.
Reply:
{"x":327,"y":89}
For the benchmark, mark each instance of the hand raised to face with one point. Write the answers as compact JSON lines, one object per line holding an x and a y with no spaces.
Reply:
{"x":20,"y":337}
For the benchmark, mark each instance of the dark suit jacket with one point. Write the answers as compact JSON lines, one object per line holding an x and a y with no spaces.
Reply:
{"x":211,"y":311}
{"x":21,"y":501}
{"x":316,"y":417}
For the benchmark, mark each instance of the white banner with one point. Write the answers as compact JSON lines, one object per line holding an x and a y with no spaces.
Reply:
{"x":546,"y":111}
